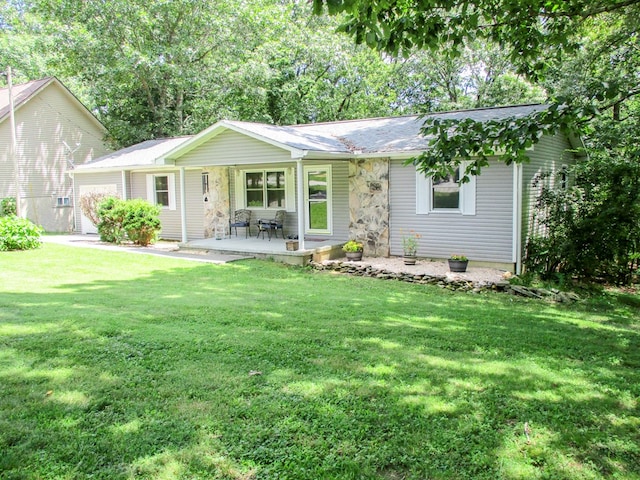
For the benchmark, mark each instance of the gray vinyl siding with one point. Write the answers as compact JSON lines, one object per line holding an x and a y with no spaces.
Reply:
{"x":230,"y":148}
{"x":43,"y":123}
{"x":549,"y":155}
{"x":170,"y":219}
{"x":486,"y":236}
{"x":195,"y":203}
{"x":340,"y":201}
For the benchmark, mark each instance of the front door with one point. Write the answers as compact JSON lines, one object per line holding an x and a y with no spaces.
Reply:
{"x":317,"y":188}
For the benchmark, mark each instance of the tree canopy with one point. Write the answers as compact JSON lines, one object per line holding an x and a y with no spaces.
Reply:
{"x":583,"y":52}
{"x":155,"y":69}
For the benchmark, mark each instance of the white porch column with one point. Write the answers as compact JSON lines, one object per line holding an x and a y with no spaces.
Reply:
{"x":300,"y":195}
{"x":124,"y":184}
{"x":183,"y":205}
{"x":517,"y":217}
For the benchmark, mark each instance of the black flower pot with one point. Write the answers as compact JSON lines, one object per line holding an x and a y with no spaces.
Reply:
{"x":458,"y":266}
{"x":354,"y":256}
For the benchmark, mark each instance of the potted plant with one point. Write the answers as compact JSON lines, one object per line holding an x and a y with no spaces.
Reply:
{"x":458,"y":263}
{"x":353,"y":250}
{"x":410,"y":247}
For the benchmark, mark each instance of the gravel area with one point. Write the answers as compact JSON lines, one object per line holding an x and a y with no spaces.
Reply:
{"x":477,"y":275}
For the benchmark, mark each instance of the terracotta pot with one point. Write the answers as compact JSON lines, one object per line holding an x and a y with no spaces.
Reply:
{"x":292,"y":245}
{"x":409,"y":259}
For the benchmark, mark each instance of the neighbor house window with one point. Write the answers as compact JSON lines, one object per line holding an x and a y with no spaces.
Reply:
{"x":265,"y":189}
{"x":63,"y":202}
{"x":161,"y":190}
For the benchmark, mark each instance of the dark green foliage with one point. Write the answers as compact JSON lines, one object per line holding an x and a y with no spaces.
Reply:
{"x":19,"y":234}
{"x":7,"y":207}
{"x":136,"y":220}
{"x":141,"y":221}
{"x":593,"y":228}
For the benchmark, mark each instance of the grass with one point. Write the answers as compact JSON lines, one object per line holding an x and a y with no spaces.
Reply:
{"x":123,"y":366}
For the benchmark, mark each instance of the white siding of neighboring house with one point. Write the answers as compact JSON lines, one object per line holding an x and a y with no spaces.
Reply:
{"x":549,"y":155}
{"x":486,"y":236}
{"x":42,"y":124}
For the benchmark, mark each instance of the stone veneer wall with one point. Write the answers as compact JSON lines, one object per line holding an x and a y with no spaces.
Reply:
{"x":216,"y":201}
{"x":369,"y":204}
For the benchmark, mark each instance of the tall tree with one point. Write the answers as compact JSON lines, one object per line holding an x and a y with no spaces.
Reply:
{"x":539,"y":36}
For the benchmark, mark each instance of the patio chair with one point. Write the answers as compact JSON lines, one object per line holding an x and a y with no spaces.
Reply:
{"x":241,"y":218}
{"x":272,"y":225}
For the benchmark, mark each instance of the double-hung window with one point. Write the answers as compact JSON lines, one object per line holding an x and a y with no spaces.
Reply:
{"x":265,"y":189}
{"x":445,"y":192}
{"x":445,"y":195}
{"x":161,"y":190}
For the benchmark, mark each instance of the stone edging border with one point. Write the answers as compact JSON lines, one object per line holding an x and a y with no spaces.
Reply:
{"x":443,"y":281}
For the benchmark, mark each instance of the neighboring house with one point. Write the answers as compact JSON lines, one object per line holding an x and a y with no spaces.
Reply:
{"x":54,"y":133}
{"x":336,"y":181}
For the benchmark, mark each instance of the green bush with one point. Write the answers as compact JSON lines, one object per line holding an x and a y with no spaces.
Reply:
{"x":19,"y":234}
{"x":111,"y":216}
{"x":141,"y":222}
{"x":8,"y":207}
{"x":137,"y":220}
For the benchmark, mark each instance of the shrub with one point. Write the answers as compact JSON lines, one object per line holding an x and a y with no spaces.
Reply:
{"x":89,"y":205}
{"x":141,"y":222}
{"x":19,"y":234}
{"x":137,"y":220}
{"x":110,"y":214}
{"x":8,"y":207}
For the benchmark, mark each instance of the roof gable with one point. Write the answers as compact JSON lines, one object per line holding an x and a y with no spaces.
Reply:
{"x":24,"y":92}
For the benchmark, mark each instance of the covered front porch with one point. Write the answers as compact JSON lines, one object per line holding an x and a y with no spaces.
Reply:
{"x":277,"y":249}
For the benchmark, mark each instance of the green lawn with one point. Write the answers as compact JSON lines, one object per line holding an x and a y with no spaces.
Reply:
{"x":115,"y":365}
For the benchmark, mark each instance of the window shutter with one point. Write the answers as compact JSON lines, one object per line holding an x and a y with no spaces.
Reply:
{"x":151,"y":189}
{"x":468,"y":193}
{"x":171,"y":180}
{"x":240,"y":193}
{"x":423,"y":194}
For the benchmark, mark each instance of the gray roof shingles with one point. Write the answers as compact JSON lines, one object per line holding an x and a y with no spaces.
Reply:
{"x":367,"y":136}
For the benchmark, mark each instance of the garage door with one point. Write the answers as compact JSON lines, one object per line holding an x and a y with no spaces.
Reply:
{"x":85,"y":224}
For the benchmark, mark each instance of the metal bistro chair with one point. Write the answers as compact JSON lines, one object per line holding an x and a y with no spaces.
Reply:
{"x":272,"y":225}
{"x":242,"y":219}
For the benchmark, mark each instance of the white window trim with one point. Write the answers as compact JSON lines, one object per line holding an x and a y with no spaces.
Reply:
{"x":151,"y":189}
{"x":60,"y":202}
{"x":329,"y":229}
{"x":467,"y":202}
{"x":289,"y":188}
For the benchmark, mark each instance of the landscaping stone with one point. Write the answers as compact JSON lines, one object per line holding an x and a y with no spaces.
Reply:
{"x":449,"y":282}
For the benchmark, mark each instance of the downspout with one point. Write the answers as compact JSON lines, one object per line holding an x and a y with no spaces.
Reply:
{"x":517,"y":217}
{"x":300,"y":195}
{"x":183,"y":205}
